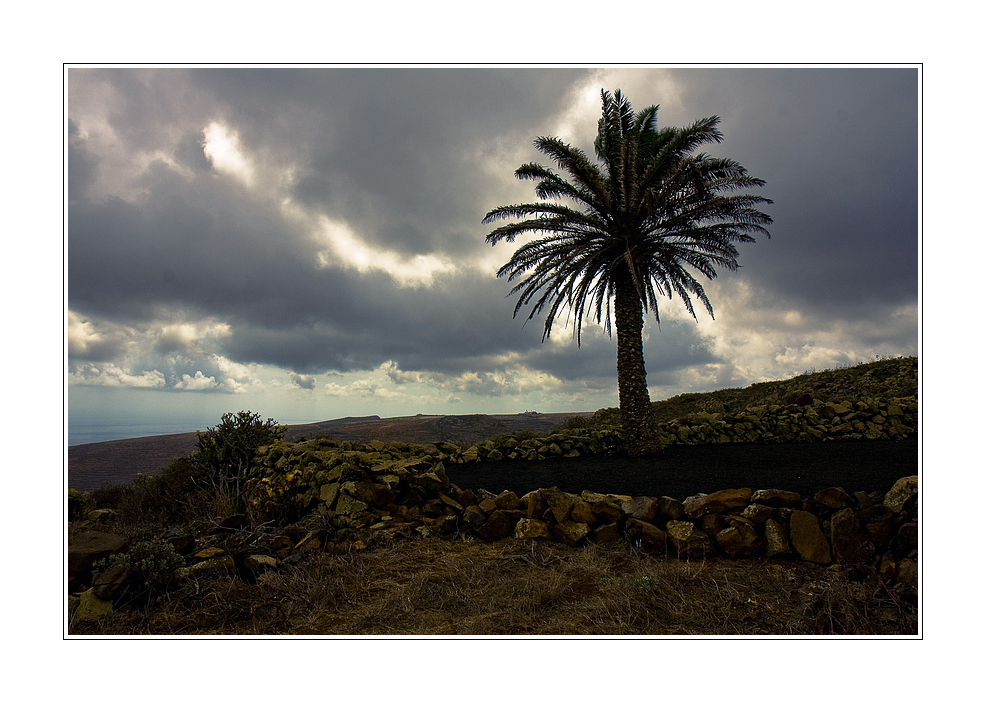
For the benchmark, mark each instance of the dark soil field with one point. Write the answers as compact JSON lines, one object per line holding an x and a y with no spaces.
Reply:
{"x":687,"y":470}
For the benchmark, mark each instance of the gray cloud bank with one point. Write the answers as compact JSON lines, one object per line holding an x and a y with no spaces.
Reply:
{"x":327,"y":220}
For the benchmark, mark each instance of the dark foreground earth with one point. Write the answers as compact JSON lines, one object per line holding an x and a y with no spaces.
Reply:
{"x":683,"y":470}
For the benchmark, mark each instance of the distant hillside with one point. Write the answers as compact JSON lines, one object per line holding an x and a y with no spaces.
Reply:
{"x":886,"y":378}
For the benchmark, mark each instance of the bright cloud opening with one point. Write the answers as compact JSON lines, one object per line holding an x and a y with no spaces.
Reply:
{"x":222,"y":148}
{"x":347,"y":249}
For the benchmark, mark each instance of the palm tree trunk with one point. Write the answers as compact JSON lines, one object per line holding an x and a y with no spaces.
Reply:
{"x":632,"y":376}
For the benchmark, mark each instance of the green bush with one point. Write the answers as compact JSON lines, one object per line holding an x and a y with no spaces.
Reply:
{"x":226,"y":451}
{"x":155,"y":562}
{"x":79,"y":503}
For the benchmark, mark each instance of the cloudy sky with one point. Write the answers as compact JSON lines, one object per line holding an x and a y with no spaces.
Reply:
{"x":307,"y":243}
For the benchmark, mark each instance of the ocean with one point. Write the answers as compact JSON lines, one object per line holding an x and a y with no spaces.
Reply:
{"x":96,"y":432}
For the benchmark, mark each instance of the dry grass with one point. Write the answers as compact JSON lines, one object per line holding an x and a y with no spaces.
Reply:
{"x":462,"y":586}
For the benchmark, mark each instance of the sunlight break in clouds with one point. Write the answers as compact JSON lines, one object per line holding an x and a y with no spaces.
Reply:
{"x":348,"y":249}
{"x":222,"y":147}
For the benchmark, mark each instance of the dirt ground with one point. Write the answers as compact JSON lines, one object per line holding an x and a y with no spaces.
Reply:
{"x":683,"y":470}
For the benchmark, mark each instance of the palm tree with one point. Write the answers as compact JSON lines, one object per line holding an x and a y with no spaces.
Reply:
{"x":641,"y":227}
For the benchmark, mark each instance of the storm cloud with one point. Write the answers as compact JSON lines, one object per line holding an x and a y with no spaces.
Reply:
{"x":307,"y":233}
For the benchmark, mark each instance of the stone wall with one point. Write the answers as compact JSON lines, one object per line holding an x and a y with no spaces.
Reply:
{"x":372,"y":494}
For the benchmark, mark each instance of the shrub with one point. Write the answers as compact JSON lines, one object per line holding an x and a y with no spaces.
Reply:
{"x":226,"y":451}
{"x":79,"y":503}
{"x":155,"y":563}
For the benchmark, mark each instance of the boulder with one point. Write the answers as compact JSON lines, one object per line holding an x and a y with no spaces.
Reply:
{"x":776,"y":539}
{"x":559,"y":503}
{"x":507,"y":500}
{"x":776,"y":498}
{"x":527,"y":528}
{"x":689,"y":541}
{"x":609,"y":532}
{"x":642,"y":508}
{"x":85,"y":549}
{"x":878,"y":521}
{"x":850,"y":543}
{"x":833,"y":498}
{"x":500,"y":525}
{"x":605,"y":507}
{"x":582,"y":512}
{"x":898,"y":497}
{"x":759,"y":513}
{"x":647,"y":535}
{"x":111,"y":582}
{"x":671,"y":508}
{"x":905,"y":541}
{"x":807,"y":538}
{"x":718,"y":502}
{"x":92,"y":607}
{"x":740,"y":539}
{"x":474,"y":517}
{"x":570,"y":532}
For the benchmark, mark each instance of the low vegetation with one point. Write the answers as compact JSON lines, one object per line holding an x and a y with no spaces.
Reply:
{"x":456,"y":584}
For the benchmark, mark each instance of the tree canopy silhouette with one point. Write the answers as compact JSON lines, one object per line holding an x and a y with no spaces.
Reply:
{"x":642,"y":224}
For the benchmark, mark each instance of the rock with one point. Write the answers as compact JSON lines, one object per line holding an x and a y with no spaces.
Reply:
{"x":642,"y":508}
{"x":606,"y":507}
{"x":259,"y":563}
{"x":507,"y":500}
{"x":100,"y":515}
{"x":740,"y":539}
{"x":570,"y":532}
{"x":777,"y":543}
{"x":488,"y":505}
{"x":527,"y":528}
{"x":833,"y":498}
{"x":348,"y":505}
{"x":718,"y":502}
{"x":582,"y":512}
{"x":371,"y":493}
{"x":878,"y":521}
{"x":671,"y":508}
{"x":689,"y":541}
{"x":776,"y":498}
{"x":223,"y":563}
{"x":474,"y":517}
{"x":431,"y":480}
{"x":898,"y":497}
{"x":807,"y":538}
{"x":606,"y":533}
{"x":647,"y":535}
{"x":907,"y":572}
{"x":182,"y":544}
{"x":92,"y":607}
{"x":328,"y":494}
{"x":208,"y":553}
{"x":559,"y":503}
{"x":111,"y":582}
{"x":759,"y":513}
{"x":536,"y":505}
{"x":500,"y":525}
{"x":85,"y":549}
{"x":905,"y":541}
{"x":850,"y":543}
